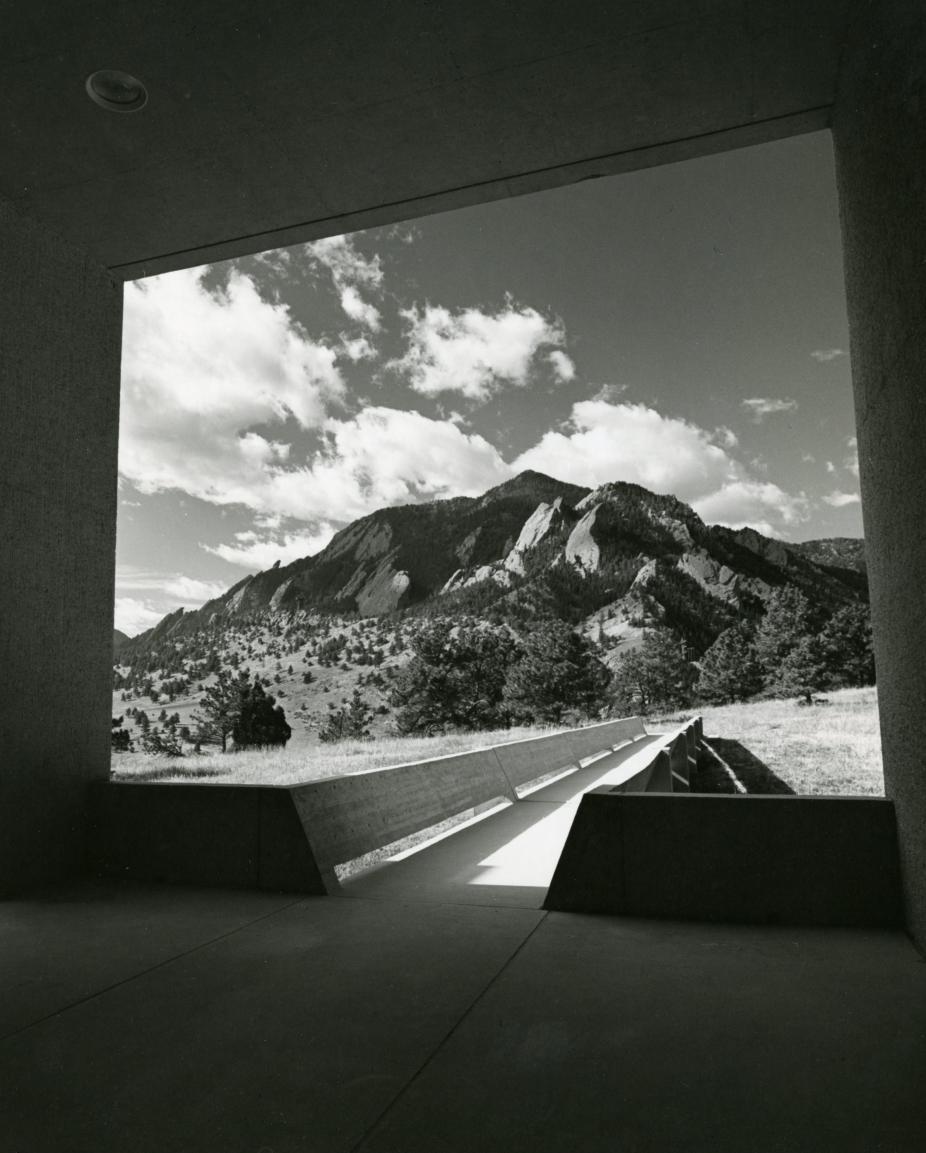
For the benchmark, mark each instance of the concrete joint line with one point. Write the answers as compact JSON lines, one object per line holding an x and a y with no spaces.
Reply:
{"x":151,"y":969}
{"x":357,"y":1148}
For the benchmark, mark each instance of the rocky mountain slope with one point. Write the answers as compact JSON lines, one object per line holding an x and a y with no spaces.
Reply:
{"x":612,"y":561}
{"x":844,"y":552}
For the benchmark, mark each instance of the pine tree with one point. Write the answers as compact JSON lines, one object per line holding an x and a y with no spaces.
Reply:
{"x":349,"y":722}
{"x":802,"y":672}
{"x":221,"y":705}
{"x":556,"y":673}
{"x":847,"y":646}
{"x":787,"y":620}
{"x":730,"y":669}
{"x":455,"y":679}
{"x":260,"y":721}
{"x":656,"y":674}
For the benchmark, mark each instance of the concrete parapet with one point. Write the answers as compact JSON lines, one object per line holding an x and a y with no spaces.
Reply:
{"x":345,"y":817}
{"x":237,"y":836}
{"x":524,"y":761}
{"x":678,"y":761}
{"x":765,"y":860}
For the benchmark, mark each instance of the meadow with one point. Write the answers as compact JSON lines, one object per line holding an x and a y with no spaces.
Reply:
{"x":832,"y":747}
{"x":293,"y":766}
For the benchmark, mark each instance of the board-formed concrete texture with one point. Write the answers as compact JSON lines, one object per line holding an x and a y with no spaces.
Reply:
{"x":60,"y":338}
{"x":765,"y":860}
{"x":879,"y":131}
{"x":239,"y":836}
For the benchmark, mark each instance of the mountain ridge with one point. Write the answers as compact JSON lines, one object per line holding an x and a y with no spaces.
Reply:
{"x":611,"y":560}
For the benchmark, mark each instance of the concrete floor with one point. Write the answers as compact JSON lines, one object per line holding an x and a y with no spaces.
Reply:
{"x":171,"y":1019}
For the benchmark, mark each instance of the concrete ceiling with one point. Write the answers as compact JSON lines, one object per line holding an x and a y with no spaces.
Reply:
{"x":275,"y":122}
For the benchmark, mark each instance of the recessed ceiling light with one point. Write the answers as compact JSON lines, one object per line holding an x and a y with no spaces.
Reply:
{"x":115,"y":90}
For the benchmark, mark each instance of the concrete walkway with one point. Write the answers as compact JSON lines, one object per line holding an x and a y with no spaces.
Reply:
{"x":503,"y":858}
{"x":163,"y":1020}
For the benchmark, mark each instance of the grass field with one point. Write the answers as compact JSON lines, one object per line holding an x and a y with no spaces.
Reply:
{"x":292,"y":766}
{"x":831,"y":747}
{"x":777,"y":746}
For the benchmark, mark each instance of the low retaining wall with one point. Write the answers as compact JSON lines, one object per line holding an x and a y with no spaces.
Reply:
{"x":236,"y":836}
{"x":767,"y":860}
{"x":345,"y":817}
{"x":290,"y":838}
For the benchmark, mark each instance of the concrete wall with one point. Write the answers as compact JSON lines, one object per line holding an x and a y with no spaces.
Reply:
{"x":524,"y":761}
{"x":233,"y":836}
{"x":60,"y":334}
{"x":346,"y":817}
{"x":767,"y":860}
{"x":879,"y":130}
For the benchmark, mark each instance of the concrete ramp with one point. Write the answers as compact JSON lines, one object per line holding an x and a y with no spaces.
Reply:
{"x":508,"y":856}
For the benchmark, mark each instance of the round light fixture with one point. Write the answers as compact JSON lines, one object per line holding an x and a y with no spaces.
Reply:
{"x":115,"y":90}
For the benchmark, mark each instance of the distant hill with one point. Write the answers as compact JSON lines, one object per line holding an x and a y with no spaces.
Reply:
{"x":838,"y":552}
{"x":119,"y":639}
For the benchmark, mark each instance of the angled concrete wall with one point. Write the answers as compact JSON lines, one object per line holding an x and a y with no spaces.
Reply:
{"x":234,"y":836}
{"x":764,"y":860}
{"x":60,"y":335}
{"x":879,"y":130}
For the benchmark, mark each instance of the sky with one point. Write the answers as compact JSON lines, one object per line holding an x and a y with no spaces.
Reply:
{"x":683,"y":328}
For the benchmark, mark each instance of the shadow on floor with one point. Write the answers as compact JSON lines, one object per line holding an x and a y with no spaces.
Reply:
{"x":755,"y":775}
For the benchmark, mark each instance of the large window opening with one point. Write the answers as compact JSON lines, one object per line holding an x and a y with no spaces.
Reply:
{"x":500,"y":472}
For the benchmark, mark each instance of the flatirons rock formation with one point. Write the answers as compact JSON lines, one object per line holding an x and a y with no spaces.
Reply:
{"x":612,"y":561}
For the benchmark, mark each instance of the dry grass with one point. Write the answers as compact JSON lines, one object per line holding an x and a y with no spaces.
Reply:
{"x":830,"y":748}
{"x":293,"y":766}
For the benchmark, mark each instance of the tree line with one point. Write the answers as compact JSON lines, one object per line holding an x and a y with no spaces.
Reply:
{"x":789,"y":652}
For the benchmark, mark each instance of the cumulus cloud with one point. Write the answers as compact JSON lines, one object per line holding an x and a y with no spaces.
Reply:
{"x":563,"y":365}
{"x":133,"y":616}
{"x":726,"y":436}
{"x":839,"y":499}
{"x":473,"y":352}
{"x":200,"y":371}
{"x":823,"y":355}
{"x":752,"y":504}
{"x":357,"y":348}
{"x":189,"y":590}
{"x":604,"y":441}
{"x":350,"y":270}
{"x":144,"y":596}
{"x":359,"y":309}
{"x":762,"y":406}
{"x":384,"y":456}
{"x":253,"y":551}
